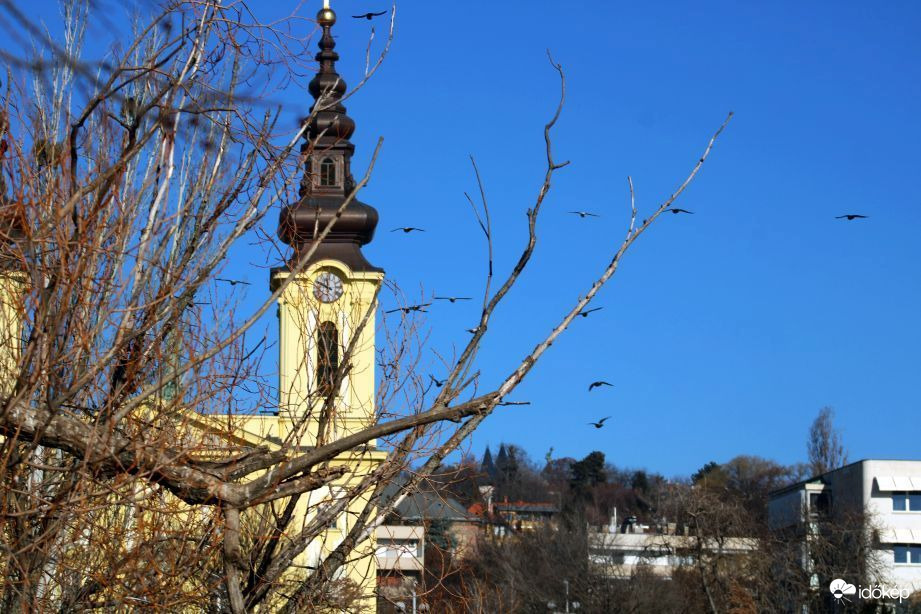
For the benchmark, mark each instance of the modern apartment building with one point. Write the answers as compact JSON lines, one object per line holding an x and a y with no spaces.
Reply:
{"x":885,"y":493}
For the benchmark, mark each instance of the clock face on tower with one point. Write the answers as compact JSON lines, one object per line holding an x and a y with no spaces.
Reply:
{"x":327,"y":287}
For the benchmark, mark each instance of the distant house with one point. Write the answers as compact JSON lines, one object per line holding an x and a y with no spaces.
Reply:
{"x":447,"y":523}
{"x":503,"y":518}
{"x":525,"y":515}
{"x":888,"y":495}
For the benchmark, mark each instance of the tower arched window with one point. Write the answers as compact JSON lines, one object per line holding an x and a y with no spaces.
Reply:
{"x":327,"y":357}
{"x":328,"y":172}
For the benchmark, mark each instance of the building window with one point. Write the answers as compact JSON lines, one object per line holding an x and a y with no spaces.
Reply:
{"x":328,"y":172}
{"x":327,"y":357}
{"x":907,"y":555}
{"x":906,"y":502}
{"x":819,"y":502}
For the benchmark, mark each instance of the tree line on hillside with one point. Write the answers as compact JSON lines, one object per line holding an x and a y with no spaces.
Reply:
{"x":718,"y":502}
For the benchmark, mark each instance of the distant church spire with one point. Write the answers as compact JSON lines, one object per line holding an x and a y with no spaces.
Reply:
{"x":327,"y":171}
{"x":488,"y":467}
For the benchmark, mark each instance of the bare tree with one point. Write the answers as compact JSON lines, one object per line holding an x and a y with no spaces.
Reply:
{"x":826,"y":452}
{"x":124,"y":482}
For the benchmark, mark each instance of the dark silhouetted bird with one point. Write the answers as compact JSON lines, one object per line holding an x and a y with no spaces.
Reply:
{"x":598,"y":384}
{"x":408,"y":229}
{"x":600,"y":423}
{"x":584,"y":214}
{"x":369,"y":16}
{"x":677,"y":210}
{"x":233,"y":282}
{"x":852,"y":216}
{"x":438,"y":382}
{"x":410,"y":308}
{"x":453,"y":299}
{"x":584,"y":313}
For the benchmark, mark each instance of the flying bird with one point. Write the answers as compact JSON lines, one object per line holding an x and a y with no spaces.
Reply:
{"x":438,"y":382}
{"x":677,"y":210}
{"x":584,"y":214}
{"x":233,"y":282}
{"x":600,"y":423}
{"x":410,"y":308}
{"x":408,"y":229}
{"x":369,"y":16}
{"x":453,"y":299}
{"x":599,"y":384}
{"x":584,"y":313}
{"x":852,"y":216}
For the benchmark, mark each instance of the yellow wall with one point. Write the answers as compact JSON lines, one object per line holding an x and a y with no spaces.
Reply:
{"x":12,"y":292}
{"x":299,"y":315}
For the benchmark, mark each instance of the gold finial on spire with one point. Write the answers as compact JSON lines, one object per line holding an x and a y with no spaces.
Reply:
{"x":326,"y":16}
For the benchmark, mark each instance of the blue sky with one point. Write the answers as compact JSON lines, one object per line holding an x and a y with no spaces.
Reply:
{"x":724,"y":332}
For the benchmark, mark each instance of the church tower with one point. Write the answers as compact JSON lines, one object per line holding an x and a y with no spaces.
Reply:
{"x":328,"y":309}
{"x":327,"y":314}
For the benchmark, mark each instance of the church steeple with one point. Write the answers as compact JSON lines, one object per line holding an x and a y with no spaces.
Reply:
{"x":327,"y":172}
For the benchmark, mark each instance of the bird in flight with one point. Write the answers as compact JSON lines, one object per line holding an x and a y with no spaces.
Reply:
{"x":584,"y":313}
{"x":410,"y":308}
{"x":852,"y":216}
{"x":599,"y":384}
{"x":369,"y":16}
{"x":438,"y":382}
{"x":453,"y":299}
{"x":584,"y":214}
{"x":233,"y":282}
{"x":677,"y":210}
{"x":600,"y":423}
{"x":408,"y":229}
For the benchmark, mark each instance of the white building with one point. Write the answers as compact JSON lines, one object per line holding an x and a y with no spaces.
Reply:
{"x":400,"y":549}
{"x":619,"y":555}
{"x":400,"y":560}
{"x":889,"y":491}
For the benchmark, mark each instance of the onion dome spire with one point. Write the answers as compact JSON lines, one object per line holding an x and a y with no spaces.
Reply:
{"x":327,"y":171}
